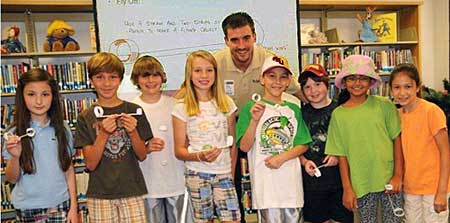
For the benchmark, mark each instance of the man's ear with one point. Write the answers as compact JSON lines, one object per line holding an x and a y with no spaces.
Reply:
{"x":261,"y":80}
{"x":226,"y":40}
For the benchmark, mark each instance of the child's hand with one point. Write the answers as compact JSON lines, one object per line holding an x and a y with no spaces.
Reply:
{"x":210,"y":155}
{"x":128,"y":122}
{"x":154,"y":145}
{"x":349,"y":199}
{"x":274,"y":162}
{"x":396,"y":183}
{"x":13,"y":146}
{"x":330,"y":161}
{"x":109,"y":124}
{"x":310,"y":167}
{"x":257,"y":110}
{"x":440,"y":202}
{"x":72,"y":215}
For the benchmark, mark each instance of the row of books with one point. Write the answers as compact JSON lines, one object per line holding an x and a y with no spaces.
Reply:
{"x":70,"y":76}
{"x":83,"y":215}
{"x":386,"y":60}
{"x":6,"y":196}
{"x":71,"y":109}
{"x":10,"y":76}
{"x":331,"y":59}
{"x":246,"y":187}
{"x":7,"y":114}
{"x":78,"y":158}
{"x":82,"y":180}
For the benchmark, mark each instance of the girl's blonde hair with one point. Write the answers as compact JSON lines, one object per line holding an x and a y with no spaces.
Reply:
{"x":187,"y":91}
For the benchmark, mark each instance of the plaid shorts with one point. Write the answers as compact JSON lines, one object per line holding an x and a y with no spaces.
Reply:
{"x":208,"y":191}
{"x":56,"y":214}
{"x":130,"y":209}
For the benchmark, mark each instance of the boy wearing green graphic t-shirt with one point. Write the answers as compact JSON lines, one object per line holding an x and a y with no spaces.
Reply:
{"x":274,"y":134}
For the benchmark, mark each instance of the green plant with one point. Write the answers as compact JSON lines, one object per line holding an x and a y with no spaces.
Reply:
{"x":440,"y":98}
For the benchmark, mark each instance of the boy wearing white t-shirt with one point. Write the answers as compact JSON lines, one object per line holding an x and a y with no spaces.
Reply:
{"x":274,"y":134}
{"x":163,"y":173}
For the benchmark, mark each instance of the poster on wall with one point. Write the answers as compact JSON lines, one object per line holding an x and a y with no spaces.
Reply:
{"x":169,"y":30}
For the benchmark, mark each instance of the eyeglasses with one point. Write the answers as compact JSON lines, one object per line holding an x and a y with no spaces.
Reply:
{"x":360,"y":78}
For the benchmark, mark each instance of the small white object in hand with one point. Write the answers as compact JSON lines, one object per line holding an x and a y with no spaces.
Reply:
{"x":229,"y":141}
{"x":317,"y":172}
{"x":98,"y":112}
{"x":30,"y":132}
{"x":256,"y":97}
{"x":399,"y":212}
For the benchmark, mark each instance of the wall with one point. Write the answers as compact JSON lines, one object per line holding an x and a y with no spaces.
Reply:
{"x":434,"y":37}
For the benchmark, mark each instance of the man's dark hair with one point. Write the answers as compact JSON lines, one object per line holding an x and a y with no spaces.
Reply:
{"x":237,"y":20}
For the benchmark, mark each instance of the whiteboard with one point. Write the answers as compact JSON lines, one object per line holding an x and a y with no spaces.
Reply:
{"x":170,"y":29}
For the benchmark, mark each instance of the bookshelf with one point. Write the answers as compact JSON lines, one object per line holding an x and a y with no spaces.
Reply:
{"x":68,"y":67}
{"x":338,"y":20}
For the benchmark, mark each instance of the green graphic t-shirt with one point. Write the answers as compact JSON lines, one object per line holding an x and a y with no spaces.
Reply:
{"x":280,"y":129}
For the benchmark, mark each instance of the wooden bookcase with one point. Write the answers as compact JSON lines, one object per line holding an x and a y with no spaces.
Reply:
{"x":328,"y":12}
{"x":33,"y":17}
{"x":340,"y":17}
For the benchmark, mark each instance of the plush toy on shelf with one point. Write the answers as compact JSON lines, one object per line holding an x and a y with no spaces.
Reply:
{"x":59,"y":37}
{"x":317,"y":37}
{"x":12,"y":44}
{"x":367,"y":34}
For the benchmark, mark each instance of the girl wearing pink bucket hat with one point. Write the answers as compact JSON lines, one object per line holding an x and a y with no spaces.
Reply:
{"x":358,"y":65}
{"x":364,"y":133}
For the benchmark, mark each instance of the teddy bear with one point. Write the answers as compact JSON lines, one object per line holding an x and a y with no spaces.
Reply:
{"x":12,"y":44}
{"x":317,"y":37}
{"x":59,"y":37}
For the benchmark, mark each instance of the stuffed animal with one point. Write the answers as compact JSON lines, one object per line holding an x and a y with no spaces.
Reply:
{"x":367,"y":34}
{"x":317,"y":37}
{"x":59,"y":37}
{"x":12,"y":43}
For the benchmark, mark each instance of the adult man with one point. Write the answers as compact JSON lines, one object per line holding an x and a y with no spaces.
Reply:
{"x":239,"y":64}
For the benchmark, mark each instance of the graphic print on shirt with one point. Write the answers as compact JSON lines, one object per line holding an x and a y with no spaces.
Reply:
{"x":276,"y":136}
{"x":118,"y":143}
{"x":204,"y":130}
{"x":318,"y":134}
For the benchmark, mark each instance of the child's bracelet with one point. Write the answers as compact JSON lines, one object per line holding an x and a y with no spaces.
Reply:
{"x":198,"y":156}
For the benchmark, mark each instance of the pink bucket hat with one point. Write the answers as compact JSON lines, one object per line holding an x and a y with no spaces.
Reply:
{"x":357,"y":65}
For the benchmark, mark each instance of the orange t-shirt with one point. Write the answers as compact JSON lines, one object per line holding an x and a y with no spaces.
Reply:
{"x":420,"y":150}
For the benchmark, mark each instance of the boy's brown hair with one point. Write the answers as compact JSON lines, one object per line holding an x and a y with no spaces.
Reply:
{"x":105,"y":62}
{"x":146,"y":66}
{"x":316,"y":72}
